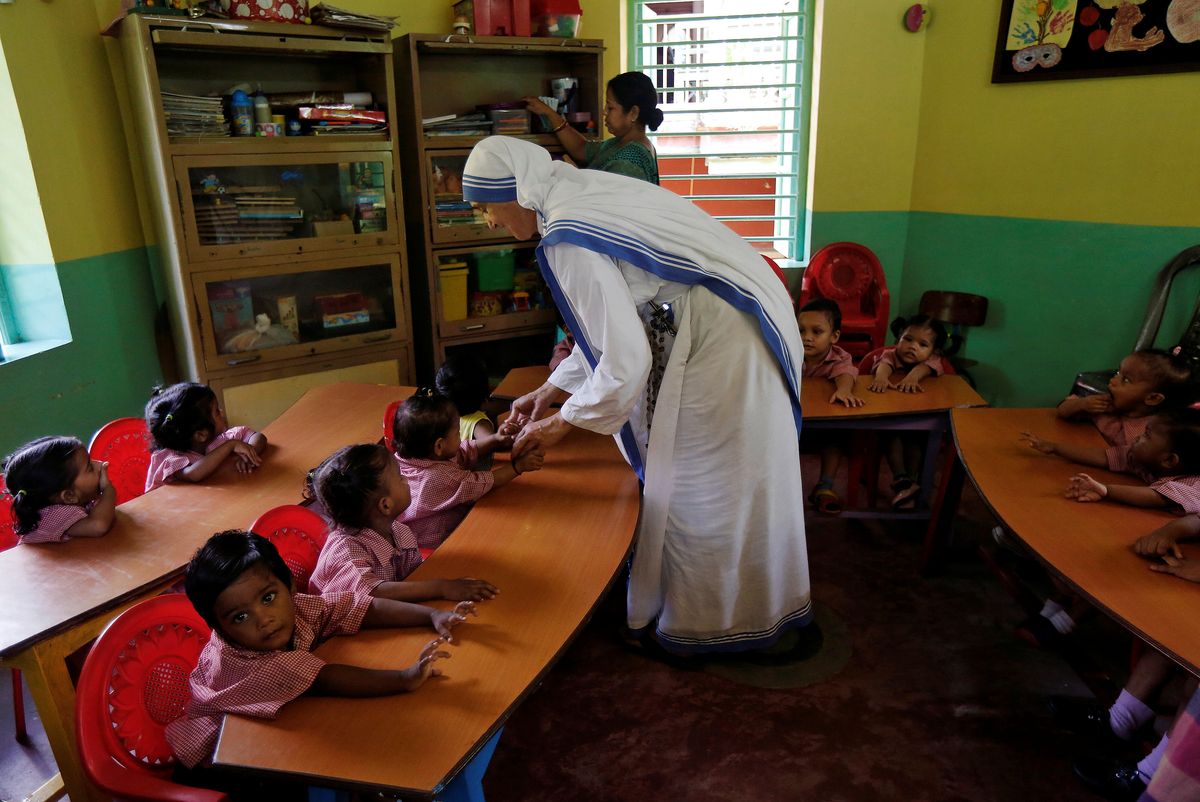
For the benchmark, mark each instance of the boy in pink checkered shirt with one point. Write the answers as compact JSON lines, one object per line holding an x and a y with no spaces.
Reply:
{"x":58,"y":491}
{"x":369,"y":552}
{"x":259,"y":656}
{"x":438,"y":467}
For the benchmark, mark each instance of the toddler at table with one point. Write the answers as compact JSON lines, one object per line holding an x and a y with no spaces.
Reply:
{"x":369,"y":551}
{"x":192,"y":439}
{"x":58,"y":491}
{"x":820,"y":322}
{"x":439,"y":466}
{"x":259,"y":656}
{"x":464,"y":381}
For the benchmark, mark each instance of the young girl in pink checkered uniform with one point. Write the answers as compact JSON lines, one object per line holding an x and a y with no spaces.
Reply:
{"x":259,"y":656}
{"x":369,"y":551}
{"x":191,"y":437}
{"x":58,"y":491}
{"x":439,"y":467}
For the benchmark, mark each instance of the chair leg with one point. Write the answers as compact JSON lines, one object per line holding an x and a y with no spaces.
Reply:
{"x":19,"y":707}
{"x":468,"y":785}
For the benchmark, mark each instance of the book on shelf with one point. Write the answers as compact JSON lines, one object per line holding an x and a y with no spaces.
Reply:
{"x":439,"y":119}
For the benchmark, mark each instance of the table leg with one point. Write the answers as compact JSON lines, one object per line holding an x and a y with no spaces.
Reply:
{"x":945,"y":507}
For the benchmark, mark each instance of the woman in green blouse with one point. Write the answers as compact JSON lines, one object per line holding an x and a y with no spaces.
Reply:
{"x":630,"y":107}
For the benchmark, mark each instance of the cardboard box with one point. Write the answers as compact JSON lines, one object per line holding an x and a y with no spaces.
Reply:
{"x":282,"y":310}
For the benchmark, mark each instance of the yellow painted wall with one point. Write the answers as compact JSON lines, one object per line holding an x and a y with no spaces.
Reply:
{"x":1113,"y":150}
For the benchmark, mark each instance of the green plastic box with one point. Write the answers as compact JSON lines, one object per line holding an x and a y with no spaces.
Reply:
{"x":494,"y":270}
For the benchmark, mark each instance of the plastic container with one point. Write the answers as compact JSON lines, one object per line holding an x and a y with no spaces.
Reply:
{"x":555,"y":18}
{"x":242,"y":112}
{"x":509,"y":121}
{"x":262,"y":109}
{"x":452,"y":279}
{"x":494,"y":270}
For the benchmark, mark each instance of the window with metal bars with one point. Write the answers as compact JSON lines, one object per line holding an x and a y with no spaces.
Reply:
{"x":732,"y":77}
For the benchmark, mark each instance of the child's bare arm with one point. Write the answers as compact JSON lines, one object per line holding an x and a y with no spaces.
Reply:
{"x":336,"y":679}
{"x":527,"y":462}
{"x":1165,"y":540}
{"x":844,"y":391}
{"x":392,"y":613}
{"x":911,"y":383}
{"x":1178,"y":566}
{"x":880,"y":382}
{"x":463,"y":589}
{"x":1075,"y":406}
{"x":101,"y":518}
{"x":1085,"y":455}
{"x":488,"y":441}
{"x":1085,"y":488}
{"x":205,"y":467}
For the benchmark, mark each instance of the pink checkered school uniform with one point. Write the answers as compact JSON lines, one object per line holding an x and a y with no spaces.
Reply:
{"x":230,"y":679}
{"x":1183,"y":490}
{"x":837,"y":362}
{"x":888,"y":357}
{"x":54,"y":522}
{"x":359,"y":560}
{"x":443,"y":491}
{"x":1120,"y":430}
{"x":165,"y":462}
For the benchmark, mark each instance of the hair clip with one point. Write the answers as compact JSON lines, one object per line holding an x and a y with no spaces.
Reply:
{"x":168,"y":418}
{"x":1177,"y":350}
{"x":424,"y":392}
{"x":20,"y":494}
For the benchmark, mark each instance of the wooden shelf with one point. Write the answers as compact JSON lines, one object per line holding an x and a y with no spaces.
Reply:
{"x":198,"y":146}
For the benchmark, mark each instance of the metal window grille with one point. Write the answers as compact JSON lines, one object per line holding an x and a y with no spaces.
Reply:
{"x":732,"y":77}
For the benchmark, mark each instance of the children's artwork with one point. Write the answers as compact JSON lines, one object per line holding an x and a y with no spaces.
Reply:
{"x":1049,"y":39}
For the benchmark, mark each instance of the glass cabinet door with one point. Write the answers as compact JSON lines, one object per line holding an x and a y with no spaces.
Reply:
{"x":299,"y":309}
{"x":241,"y":206}
{"x":488,"y":289}
{"x":451,"y":218}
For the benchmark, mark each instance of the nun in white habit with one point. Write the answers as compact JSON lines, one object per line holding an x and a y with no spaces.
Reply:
{"x":687,"y":351}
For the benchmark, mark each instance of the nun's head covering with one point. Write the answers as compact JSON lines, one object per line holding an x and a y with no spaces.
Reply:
{"x":502,"y":169}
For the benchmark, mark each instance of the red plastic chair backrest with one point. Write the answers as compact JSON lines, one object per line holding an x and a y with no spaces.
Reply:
{"x":389,"y":416}
{"x":135,"y":682}
{"x":776,"y":269}
{"x":125,"y":445}
{"x":844,"y":272}
{"x":299,"y":535}
{"x":8,"y":534}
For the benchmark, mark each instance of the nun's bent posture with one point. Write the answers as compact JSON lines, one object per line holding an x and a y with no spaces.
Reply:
{"x":687,"y":352}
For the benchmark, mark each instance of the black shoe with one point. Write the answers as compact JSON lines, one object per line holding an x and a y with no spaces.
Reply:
{"x":1113,"y":779}
{"x":1082,"y":716}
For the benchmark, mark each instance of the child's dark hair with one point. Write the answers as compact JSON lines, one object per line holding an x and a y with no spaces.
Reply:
{"x":463,"y":379}
{"x":636,"y":89}
{"x":218,"y":563}
{"x":829,"y":308}
{"x":1182,"y":428}
{"x":345,"y":482}
{"x":37,"y":472}
{"x":1172,"y":377}
{"x":921,"y":322}
{"x":420,"y":421}
{"x":174,"y":414}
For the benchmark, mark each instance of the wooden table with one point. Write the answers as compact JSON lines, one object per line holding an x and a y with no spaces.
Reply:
{"x":57,"y":597}
{"x":520,"y":381}
{"x":552,"y":541}
{"x":1088,"y":545}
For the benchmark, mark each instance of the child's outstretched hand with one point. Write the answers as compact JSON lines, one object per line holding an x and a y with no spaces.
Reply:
{"x":909,"y":384}
{"x":1038,"y":444}
{"x":509,"y":428}
{"x":467,"y":589}
{"x":1159,"y":543}
{"x":848,"y":398}
{"x":423,"y":670}
{"x":1085,"y":488}
{"x":1178,"y":566}
{"x":879,"y":385}
{"x":444,"y":621}
{"x":247,"y":458}
{"x":531,"y":460}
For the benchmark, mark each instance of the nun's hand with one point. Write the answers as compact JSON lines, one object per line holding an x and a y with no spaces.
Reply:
{"x":536,"y":405}
{"x":543,"y":433}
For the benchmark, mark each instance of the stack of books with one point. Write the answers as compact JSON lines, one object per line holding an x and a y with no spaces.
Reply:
{"x":477,"y":124}
{"x":370,"y":210}
{"x":452,"y":210}
{"x":325,"y":14}
{"x":194,"y":115}
{"x":246,"y":213}
{"x":343,"y":119}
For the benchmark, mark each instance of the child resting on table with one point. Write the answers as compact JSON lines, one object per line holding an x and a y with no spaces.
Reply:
{"x":1147,"y":381}
{"x":820,"y":322}
{"x":1166,"y":456}
{"x":260,"y":657}
{"x":368,"y":550}
{"x":438,"y":467}
{"x":191,"y":437}
{"x":464,"y":381}
{"x":58,"y":491}
{"x":916,"y":355}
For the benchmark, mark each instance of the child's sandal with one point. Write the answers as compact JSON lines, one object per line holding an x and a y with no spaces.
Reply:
{"x":905,"y":492}
{"x":826,"y":500}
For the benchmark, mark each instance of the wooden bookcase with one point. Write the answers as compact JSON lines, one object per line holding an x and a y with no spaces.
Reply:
{"x":308,"y":230}
{"x":440,"y":75}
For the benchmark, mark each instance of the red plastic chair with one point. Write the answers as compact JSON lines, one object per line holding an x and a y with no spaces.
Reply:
{"x":125,"y":445}
{"x":8,"y":539}
{"x":851,"y":274}
{"x":776,"y":269}
{"x":299,"y":534}
{"x":134,"y":682}
{"x":389,"y":415}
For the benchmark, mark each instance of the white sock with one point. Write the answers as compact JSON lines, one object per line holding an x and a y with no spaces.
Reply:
{"x":1149,"y":764}
{"x":1050,"y":608}
{"x":1128,"y":715}
{"x":1062,"y":622}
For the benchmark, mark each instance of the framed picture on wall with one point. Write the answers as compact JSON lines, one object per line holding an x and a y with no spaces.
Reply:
{"x":1044,"y":40}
